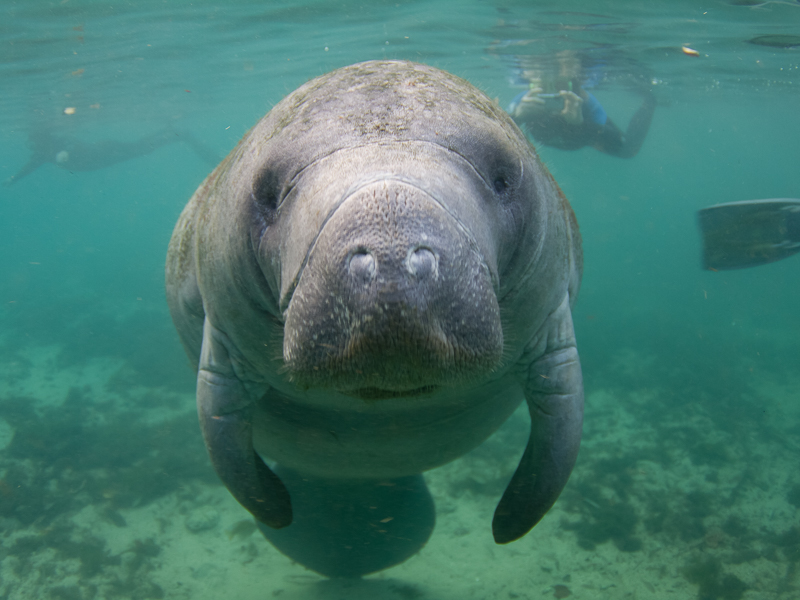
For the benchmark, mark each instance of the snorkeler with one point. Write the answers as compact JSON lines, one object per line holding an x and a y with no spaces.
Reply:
{"x":75,"y":155}
{"x":557,"y":110}
{"x":568,"y":117}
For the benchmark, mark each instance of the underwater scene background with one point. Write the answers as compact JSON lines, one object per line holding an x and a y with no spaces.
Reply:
{"x":687,"y":483}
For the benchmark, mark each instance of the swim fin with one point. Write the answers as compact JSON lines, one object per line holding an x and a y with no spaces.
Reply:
{"x":744,"y":234}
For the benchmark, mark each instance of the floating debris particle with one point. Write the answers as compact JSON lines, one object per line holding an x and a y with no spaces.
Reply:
{"x":70,"y":110}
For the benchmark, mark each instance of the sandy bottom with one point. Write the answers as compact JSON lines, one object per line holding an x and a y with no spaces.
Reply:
{"x":673,"y":497}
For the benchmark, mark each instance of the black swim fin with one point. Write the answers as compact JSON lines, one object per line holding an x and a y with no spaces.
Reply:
{"x":744,"y":234}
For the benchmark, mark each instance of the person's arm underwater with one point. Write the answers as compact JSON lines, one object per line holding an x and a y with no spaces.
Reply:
{"x":610,"y":138}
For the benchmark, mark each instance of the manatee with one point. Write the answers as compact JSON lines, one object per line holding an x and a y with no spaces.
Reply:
{"x":368,"y":286}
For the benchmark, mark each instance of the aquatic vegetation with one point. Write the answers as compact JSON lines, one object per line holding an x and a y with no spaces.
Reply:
{"x":793,"y":495}
{"x":59,"y":459}
{"x":713,"y":582}
{"x":561,"y":591}
{"x":84,"y":452}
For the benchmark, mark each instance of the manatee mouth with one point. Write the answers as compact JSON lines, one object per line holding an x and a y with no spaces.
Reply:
{"x":374,"y":393}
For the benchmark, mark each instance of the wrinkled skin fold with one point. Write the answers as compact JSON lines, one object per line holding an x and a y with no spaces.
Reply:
{"x":368,"y":285}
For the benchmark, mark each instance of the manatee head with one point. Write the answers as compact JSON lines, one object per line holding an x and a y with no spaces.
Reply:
{"x":389,"y":203}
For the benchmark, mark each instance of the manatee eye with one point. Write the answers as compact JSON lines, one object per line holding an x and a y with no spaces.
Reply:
{"x":505,"y":175}
{"x":500,"y":184}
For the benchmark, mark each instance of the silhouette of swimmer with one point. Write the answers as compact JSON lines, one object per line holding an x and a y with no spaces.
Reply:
{"x":74,"y":155}
{"x":572,"y":118}
{"x":557,"y":111}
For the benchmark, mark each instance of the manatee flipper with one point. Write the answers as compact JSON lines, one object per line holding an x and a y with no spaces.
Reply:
{"x":350,"y":528}
{"x":750,"y":233}
{"x":226,"y":420}
{"x":554,"y":393}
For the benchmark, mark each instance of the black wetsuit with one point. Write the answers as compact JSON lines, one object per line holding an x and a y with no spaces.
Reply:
{"x":597,"y":129}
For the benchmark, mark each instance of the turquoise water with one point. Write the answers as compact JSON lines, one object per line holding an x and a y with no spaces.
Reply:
{"x":687,"y":483}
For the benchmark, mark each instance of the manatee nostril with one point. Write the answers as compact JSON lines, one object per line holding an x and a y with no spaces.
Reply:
{"x":362,"y":266}
{"x":421,"y":262}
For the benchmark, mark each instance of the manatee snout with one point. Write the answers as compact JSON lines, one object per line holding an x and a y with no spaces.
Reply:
{"x":395,"y":299}
{"x":421,"y":263}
